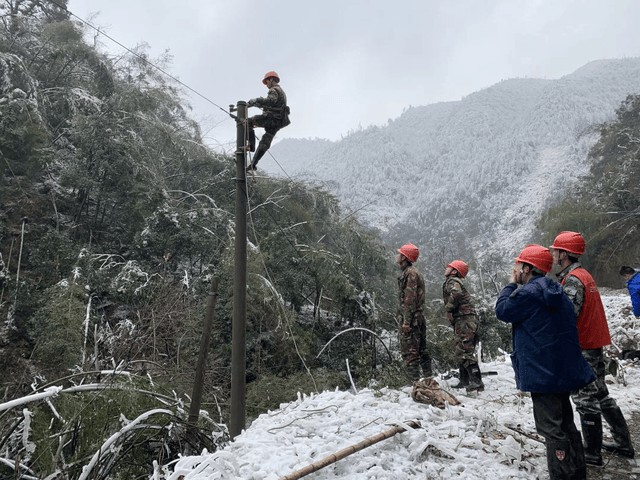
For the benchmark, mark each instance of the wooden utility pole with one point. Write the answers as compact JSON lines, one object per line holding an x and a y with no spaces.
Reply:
{"x":198,"y":383}
{"x":238,"y":346}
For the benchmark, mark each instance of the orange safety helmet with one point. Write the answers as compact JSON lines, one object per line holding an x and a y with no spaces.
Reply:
{"x":538,"y":256}
{"x":571,"y":242}
{"x":410,"y":251}
{"x":269,"y":75}
{"x":460,"y":266}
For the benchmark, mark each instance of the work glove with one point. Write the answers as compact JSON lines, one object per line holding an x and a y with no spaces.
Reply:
{"x":253,"y":102}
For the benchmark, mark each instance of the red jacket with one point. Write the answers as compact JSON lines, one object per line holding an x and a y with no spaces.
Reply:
{"x":593,"y":331}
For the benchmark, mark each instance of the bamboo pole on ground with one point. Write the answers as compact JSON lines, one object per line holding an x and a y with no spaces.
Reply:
{"x":333,"y":458}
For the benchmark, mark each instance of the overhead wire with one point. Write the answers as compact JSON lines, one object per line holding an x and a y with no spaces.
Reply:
{"x":112,"y":378}
{"x":151,"y":64}
{"x":146,"y":61}
{"x":164,"y":72}
{"x":137,"y":55}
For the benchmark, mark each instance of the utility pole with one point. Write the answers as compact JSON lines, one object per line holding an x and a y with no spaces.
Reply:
{"x":198,"y":383}
{"x":238,"y":343}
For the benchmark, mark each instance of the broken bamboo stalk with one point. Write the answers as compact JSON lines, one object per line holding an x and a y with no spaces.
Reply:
{"x":333,"y":458}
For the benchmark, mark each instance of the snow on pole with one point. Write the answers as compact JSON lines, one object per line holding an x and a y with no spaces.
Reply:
{"x":333,"y":458}
{"x":113,"y":438}
{"x":49,"y":392}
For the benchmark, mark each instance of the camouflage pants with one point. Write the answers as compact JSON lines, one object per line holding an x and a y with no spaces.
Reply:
{"x":271,"y":126}
{"x":594,"y":398}
{"x":413,"y":346}
{"x":465,"y":328}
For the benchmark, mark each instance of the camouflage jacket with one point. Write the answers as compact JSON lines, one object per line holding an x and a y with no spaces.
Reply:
{"x":275,"y":103}
{"x":573,"y":287}
{"x":457,"y":301}
{"x":411,"y":298}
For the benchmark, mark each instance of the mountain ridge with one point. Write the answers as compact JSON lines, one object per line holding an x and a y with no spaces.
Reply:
{"x":454,"y":171}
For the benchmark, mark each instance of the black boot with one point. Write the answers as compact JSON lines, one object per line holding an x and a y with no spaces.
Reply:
{"x":592,"y":433}
{"x":558,"y":454}
{"x":425,"y":363}
{"x":475,"y":378}
{"x":464,"y":377}
{"x":258,"y":155}
{"x":621,"y":439}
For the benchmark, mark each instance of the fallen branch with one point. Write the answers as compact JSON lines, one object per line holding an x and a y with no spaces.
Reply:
{"x":333,"y":458}
{"x":49,"y":392}
{"x":525,"y":433}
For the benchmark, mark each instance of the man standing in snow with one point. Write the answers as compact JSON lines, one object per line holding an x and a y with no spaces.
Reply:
{"x":275,"y":115}
{"x":413,"y":329}
{"x":633,"y":285}
{"x":593,"y":401}
{"x":546,"y":357}
{"x":463,"y":318}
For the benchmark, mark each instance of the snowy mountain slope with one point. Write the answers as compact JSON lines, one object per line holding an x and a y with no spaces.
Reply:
{"x":476,"y":440}
{"x":451,"y":169}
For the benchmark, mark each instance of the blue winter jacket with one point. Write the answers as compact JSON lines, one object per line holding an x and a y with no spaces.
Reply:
{"x":546,"y":355}
{"x":633,"y":284}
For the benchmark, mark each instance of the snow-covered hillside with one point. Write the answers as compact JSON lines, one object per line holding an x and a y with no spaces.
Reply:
{"x":478,"y":170}
{"x":491,"y":435}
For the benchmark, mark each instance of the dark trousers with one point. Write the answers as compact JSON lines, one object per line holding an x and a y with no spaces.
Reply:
{"x":553,"y":415}
{"x":271,"y":126}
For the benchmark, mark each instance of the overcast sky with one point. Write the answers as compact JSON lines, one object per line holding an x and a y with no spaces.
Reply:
{"x":345,"y":63}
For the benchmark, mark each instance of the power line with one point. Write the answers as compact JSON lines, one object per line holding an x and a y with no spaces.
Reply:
{"x":139,"y":56}
{"x":179,"y":82}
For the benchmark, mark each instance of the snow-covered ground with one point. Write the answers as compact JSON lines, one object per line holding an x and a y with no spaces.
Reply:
{"x":480,"y":439}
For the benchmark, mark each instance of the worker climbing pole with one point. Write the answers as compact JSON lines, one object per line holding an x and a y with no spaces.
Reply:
{"x":275,"y":116}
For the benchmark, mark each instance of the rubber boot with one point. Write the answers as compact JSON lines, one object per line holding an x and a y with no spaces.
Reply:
{"x":256,"y":158}
{"x":577,"y":460}
{"x":464,"y":377}
{"x":621,"y":439}
{"x":475,"y":378}
{"x":558,"y":459}
{"x":425,"y":363}
{"x":592,"y":433}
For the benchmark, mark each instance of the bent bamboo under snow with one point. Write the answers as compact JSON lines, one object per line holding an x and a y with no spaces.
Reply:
{"x":333,"y":458}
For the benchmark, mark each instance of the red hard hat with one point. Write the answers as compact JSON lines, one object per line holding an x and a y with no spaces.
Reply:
{"x":571,"y":242}
{"x":269,"y":75}
{"x":460,"y":266}
{"x":410,"y":251}
{"x":538,"y":256}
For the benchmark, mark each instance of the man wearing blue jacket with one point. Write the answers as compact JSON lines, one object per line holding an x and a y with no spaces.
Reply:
{"x":546,"y":357}
{"x":633,"y":285}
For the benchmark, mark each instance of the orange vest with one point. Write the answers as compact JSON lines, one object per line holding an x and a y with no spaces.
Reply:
{"x":593,"y":331}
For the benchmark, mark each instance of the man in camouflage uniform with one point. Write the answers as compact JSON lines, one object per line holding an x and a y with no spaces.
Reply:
{"x":410,"y":318}
{"x":592,"y":401}
{"x":275,"y":115}
{"x":463,"y":318}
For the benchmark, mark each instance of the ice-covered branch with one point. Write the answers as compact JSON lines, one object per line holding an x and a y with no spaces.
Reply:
{"x":49,"y":392}
{"x":114,"y":438}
